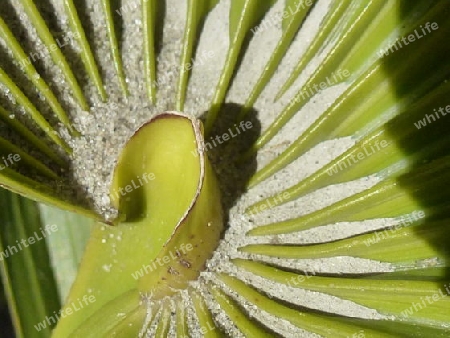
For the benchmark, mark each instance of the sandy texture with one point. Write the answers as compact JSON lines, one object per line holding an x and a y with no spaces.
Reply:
{"x":108,"y":125}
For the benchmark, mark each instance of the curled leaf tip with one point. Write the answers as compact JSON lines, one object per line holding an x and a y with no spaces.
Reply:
{"x":164,"y":181}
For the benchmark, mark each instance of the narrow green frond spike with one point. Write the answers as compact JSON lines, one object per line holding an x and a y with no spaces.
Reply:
{"x":118,"y":64}
{"x":403,"y":294}
{"x":149,"y":23}
{"x":204,"y":316}
{"x":86,"y":53}
{"x":293,"y":17}
{"x":39,"y":192}
{"x":329,"y":24}
{"x":181,"y":319}
{"x":164,"y":322}
{"x":29,"y":136}
{"x":197,"y":10}
{"x":386,"y":199}
{"x":7,"y":147}
{"x":54,"y":50}
{"x":31,"y":109}
{"x":435,"y":272}
{"x":26,"y":270}
{"x":153,"y":311}
{"x":33,"y":75}
{"x":410,"y":246}
{"x":355,"y":111}
{"x":330,"y":72}
{"x":248,"y":327}
{"x":316,"y":322}
{"x":244,"y":14}
{"x":427,"y":270}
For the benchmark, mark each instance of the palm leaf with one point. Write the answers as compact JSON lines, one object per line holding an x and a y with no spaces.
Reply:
{"x":343,"y":219}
